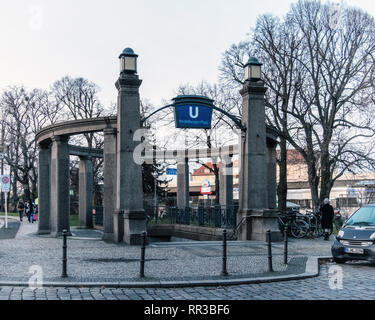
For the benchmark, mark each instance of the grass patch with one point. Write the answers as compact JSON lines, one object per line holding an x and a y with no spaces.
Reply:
{"x":11,"y":214}
{"x":74,"y":220}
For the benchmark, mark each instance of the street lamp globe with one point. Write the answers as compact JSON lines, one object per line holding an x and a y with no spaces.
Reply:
{"x":128,"y":61}
{"x":253,"y":70}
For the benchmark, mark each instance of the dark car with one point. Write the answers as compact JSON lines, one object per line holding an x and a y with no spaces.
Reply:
{"x":356,"y":239}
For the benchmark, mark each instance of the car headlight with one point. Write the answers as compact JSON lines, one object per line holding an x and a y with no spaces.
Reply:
{"x":367,"y":243}
{"x":341,"y":234}
{"x":372,"y":237}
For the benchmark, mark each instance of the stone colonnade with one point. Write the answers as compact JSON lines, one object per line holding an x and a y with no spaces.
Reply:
{"x":124,"y":217}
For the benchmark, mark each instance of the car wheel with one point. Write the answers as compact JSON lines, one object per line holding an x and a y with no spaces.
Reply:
{"x":339,"y":261}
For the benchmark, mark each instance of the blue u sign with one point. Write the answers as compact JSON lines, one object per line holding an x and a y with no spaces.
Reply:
{"x":193,"y":116}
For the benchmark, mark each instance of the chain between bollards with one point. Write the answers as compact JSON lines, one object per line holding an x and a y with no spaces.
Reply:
{"x":270,"y":269}
{"x":143,"y":255}
{"x":224,"y":271}
{"x":285,"y":245}
{"x":65,"y":259}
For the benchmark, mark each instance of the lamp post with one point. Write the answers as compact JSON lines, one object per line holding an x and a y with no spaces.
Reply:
{"x":128,"y":61}
{"x":155,"y":175}
{"x":129,"y":216}
{"x":253,"y":70}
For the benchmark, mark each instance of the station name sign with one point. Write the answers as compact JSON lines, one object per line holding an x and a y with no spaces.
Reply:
{"x":193,"y":112}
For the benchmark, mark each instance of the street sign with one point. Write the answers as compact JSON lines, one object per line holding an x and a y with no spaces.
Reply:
{"x":206,"y":187}
{"x":5,"y":183}
{"x":193,"y":116}
{"x":5,"y":187}
{"x":171,"y":172}
{"x":194,"y":112}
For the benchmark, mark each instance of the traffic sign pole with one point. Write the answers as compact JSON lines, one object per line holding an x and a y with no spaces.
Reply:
{"x":6,"y":210}
{"x":5,"y":187}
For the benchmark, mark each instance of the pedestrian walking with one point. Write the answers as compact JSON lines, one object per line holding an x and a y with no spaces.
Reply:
{"x":327,"y":217}
{"x":21,"y":209}
{"x":30,"y":211}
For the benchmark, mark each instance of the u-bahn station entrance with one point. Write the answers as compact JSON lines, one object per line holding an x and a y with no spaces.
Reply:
{"x":124,"y":216}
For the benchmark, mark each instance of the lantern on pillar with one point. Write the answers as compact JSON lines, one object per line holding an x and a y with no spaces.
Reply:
{"x":253,"y":70}
{"x":128,"y":61}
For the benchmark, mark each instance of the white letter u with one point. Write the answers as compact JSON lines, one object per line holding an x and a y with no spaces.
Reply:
{"x":196,"y":115}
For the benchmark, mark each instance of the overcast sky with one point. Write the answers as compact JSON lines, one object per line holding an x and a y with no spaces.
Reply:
{"x":178,"y":41}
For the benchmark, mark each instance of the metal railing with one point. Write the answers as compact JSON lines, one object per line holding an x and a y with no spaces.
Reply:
{"x":211,"y":216}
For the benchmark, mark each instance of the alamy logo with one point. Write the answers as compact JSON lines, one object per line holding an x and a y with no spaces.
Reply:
{"x":36,"y":18}
{"x":196,"y":115}
{"x":36,"y":279}
{"x":335,"y":16}
{"x":335,"y":277}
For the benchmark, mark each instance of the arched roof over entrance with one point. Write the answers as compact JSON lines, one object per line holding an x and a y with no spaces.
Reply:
{"x":82,"y":126}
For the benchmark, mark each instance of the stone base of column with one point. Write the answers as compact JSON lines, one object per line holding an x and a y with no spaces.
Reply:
{"x":256,"y":224}
{"x":108,"y":236}
{"x":43,"y":231}
{"x":60,"y":234}
{"x":134,"y":225}
{"x":118,"y":226}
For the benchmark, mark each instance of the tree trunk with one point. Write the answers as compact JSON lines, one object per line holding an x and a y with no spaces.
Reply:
{"x":326,"y":179}
{"x":282,"y":188}
{"x":313,"y":181}
{"x":14,"y":189}
{"x":217,"y":184}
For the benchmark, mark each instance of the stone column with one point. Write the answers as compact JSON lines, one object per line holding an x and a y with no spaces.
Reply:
{"x":183,"y":195}
{"x":272,"y":184}
{"x":226,"y":182}
{"x":60,"y":182}
{"x":109,"y":197}
{"x":254,"y":207}
{"x":129,"y":195}
{"x":86,"y":188}
{"x":44,"y":192}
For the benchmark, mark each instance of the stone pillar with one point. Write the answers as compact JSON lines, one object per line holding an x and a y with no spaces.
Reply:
{"x":129,"y":195}
{"x":86,"y":188}
{"x":183,"y":195}
{"x":272,"y":184}
{"x":44,"y":193}
{"x":109,"y":197}
{"x":60,"y":183}
{"x":254,"y":210}
{"x":226,"y":182}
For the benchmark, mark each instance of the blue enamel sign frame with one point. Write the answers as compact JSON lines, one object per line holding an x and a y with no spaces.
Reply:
{"x":193,"y":112}
{"x":193,"y":116}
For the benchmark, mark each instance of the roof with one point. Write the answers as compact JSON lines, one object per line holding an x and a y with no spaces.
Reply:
{"x":293,"y":156}
{"x":201,"y":170}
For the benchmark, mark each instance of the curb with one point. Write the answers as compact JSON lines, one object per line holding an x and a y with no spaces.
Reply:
{"x":311,"y":270}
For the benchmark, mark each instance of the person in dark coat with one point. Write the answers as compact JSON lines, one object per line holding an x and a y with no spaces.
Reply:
{"x":30,"y":211}
{"x":327,"y":214}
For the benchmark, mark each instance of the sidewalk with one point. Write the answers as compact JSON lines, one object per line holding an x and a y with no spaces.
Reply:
{"x":95,"y":262}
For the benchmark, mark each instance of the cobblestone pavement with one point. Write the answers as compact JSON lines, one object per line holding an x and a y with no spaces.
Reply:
{"x":99,"y":261}
{"x":358,"y":283}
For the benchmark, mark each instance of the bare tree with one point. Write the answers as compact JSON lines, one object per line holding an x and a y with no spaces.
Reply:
{"x":25,"y":113}
{"x":77,"y":98}
{"x":325,"y":95}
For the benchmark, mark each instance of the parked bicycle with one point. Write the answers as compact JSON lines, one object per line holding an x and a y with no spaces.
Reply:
{"x":295,"y":223}
{"x":313,"y":219}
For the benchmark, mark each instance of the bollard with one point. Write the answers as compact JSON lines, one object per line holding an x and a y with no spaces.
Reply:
{"x":65,"y":259}
{"x":224,"y":270}
{"x":285,"y":245}
{"x":270,"y":269}
{"x":143,"y":255}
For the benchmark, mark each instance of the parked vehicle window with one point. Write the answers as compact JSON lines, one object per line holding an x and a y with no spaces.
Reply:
{"x":363,"y":217}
